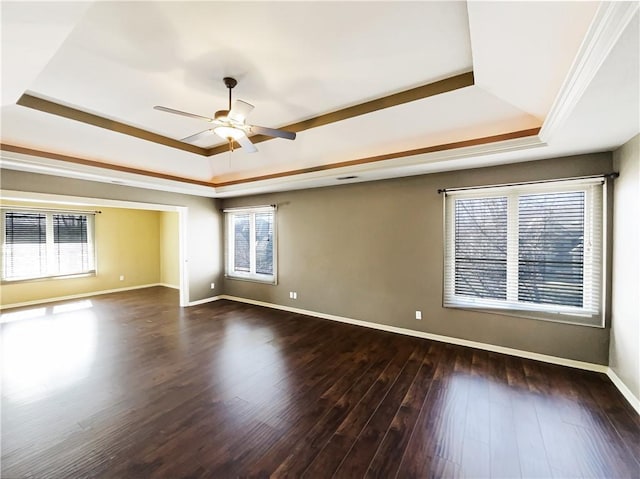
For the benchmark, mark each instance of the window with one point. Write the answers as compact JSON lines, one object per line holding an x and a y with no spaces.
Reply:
{"x":43,"y":244}
{"x":532,"y":249}
{"x":251,"y":250}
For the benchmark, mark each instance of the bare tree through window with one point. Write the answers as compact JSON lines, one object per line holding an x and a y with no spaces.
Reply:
{"x":481,"y":247}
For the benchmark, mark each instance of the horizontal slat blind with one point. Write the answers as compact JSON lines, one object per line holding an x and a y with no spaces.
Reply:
{"x":526,"y":248}
{"x":241,"y":250}
{"x":250,"y":243}
{"x":25,"y":228}
{"x":24,"y":248}
{"x":481,"y":247}
{"x":264,"y":243}
{"x":72,"y":250}
{"x":39,"y":245}
{"x":551,"y":248}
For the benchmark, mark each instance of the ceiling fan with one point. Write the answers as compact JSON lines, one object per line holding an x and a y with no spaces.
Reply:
{"x":230,"y":124}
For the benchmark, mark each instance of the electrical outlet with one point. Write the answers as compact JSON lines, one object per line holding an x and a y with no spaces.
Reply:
{"x":418,"y":314}
{"x":122,"y":277}
{"x":293,"y":295}
{"x":213,"y":285}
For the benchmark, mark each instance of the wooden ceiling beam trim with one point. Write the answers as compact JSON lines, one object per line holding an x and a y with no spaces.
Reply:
{"x":418,"y":93}
{"x":64,"y":111}
{"x":109,"y":166}
{"x":424,"y":91}
{"x":389,"y":156}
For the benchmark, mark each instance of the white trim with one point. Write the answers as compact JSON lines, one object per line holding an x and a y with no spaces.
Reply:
{"x":622,"y":387}
{"x":229,"y":244}
{"x":34,"y":197}
{"x":183,"y":254}
{"x":428,"y":163}
{"x":600,"y":368}
{"x":167,"y":285}
{"x":48,"y":166}
{"x":609,"y":21}
{"x":79,"y":295}
{"x":250,"y":209}
{"x":205,"y":300}
{"x":590,"y":313}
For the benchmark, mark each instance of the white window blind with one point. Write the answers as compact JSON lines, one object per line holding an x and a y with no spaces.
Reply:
{"x":532,"y":249}
{"x":41,"y":244}
{"x":250,"y":244}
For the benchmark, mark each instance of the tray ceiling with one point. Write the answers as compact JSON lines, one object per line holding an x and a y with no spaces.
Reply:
{"x":296,"y":62}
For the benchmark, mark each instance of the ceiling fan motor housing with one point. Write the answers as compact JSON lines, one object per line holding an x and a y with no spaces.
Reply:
{"x":230,"y":82}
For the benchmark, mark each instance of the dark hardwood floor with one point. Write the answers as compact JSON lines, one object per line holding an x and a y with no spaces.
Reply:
{"x":129,"y":385}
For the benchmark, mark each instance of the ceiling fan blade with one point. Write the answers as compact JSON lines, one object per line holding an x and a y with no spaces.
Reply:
{"x":240,"y":111}
{"x":261,"y":130}
{"x":183,"y":113}
{"x":197,"y":136}
{"x":246,"y":144}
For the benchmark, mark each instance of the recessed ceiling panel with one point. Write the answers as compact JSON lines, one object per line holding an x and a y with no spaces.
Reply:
{"x":293,"y":60}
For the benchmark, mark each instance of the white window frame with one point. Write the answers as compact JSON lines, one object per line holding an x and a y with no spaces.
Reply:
{"x":49,"y":270}
{"x":592,"y":313}
{"x":251,"y":275}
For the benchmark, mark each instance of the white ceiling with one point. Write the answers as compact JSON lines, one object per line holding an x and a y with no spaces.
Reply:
{"x":568,"y":67}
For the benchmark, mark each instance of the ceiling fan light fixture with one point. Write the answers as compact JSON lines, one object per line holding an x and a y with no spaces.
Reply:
{"x":231,"y":124}
{"x":228,"y":132}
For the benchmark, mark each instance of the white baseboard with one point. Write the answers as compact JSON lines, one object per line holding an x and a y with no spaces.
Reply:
{"x":76,"y":296}
{"x":167,"y":285}
{"x":599,"y":368}
{"x":435,"y":337}
{"x":622,"y":387}
{"x":205,"y":300}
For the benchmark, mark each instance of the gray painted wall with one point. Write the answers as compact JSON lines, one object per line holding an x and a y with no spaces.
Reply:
{"x":624,"y":356}
{"x":374,"y":252}
{"x":204,"y":226}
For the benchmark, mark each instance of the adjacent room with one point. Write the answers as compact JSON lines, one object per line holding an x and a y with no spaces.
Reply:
{"x":320,"y":239}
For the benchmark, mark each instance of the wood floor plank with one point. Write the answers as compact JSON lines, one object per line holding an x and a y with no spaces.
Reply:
{"x":420,"y":455}
{"x":130,"y":385}
{"x":364,"y":448}
{"x":387,"y":458}
{"x":308,"y":448}
{"x":340,"y":443}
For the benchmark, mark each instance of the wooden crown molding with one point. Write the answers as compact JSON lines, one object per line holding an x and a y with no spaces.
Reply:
{"x":474,"y":142}
{"x":430,"y":89}
{"x":389,"y":156}
{"x":97,"y":164}
{"x":48,"y":106}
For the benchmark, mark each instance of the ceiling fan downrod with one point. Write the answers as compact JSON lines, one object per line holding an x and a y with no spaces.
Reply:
{"x":230,"y":83}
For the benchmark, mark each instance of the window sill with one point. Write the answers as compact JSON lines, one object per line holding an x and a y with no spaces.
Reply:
{"x":48,"y":278}
{"x":252,"y":279}
{"x":540,"y":316}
